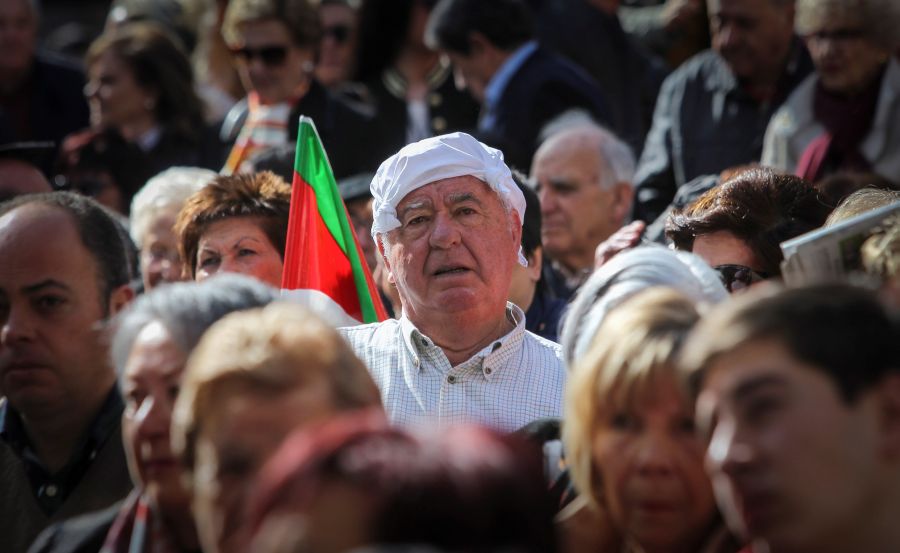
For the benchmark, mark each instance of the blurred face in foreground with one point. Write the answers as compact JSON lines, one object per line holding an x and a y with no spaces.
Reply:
{"x":649,"y":462}
{"x":243,"y":429}
{"x":793,"y":463}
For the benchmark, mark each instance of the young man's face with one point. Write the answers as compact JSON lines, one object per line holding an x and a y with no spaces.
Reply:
{"x":792,"y":463}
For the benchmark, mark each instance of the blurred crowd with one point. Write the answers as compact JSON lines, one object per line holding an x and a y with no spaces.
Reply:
{"x":573,"y":212}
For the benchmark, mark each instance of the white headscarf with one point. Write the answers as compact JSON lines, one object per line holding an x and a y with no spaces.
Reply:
{"x":433,"y":159}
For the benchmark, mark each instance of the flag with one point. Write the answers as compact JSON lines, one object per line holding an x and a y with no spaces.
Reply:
{"x":323,"y":262}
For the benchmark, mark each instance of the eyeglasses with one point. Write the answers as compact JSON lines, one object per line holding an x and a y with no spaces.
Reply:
{"x":340,"y":33}
{"x":739,"y":277}
{"x":270,"y":55}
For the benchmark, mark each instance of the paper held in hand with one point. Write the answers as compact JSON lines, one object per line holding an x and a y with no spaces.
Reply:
{"x":833,"y":253}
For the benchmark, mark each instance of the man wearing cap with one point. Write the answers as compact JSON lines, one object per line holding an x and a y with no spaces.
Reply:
{"x":448,"y":224}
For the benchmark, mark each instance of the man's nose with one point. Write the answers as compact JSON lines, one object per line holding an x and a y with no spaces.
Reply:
{"x":17,"y":326}
{"x":728,"y":452}
{"x":444,"y":232}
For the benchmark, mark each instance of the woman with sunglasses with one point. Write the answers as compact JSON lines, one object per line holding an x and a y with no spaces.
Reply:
{"x":274,"y":45}
{"x":844,"y":116}
{"x":140,"y":86}
{"x":737,"y":226}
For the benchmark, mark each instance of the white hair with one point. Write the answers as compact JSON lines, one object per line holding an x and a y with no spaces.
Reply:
{"x":623,"y":276}
{"x":612,"y":150}
{"x":164,"y":193}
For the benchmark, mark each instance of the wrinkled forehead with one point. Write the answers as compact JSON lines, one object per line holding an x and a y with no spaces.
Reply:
{"x":449,"y":191}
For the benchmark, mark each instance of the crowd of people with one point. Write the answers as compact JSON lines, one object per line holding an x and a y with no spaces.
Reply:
{"x":573,"y":212}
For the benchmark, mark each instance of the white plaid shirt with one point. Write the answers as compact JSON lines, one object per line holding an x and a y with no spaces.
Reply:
{"x":515,"y":380}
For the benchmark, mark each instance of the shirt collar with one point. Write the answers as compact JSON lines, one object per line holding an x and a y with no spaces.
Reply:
{"x":501,"y":78}
{"x":492,"y":357}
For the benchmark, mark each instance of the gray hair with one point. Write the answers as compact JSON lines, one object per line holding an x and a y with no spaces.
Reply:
{"x":165,"y":193}
{"x":627,"y":274}
{"x":186,"y":310}
{"x":879,"y":18}
{"x":613,"y":151}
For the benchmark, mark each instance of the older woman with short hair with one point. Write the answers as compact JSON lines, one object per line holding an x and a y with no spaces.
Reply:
{"x":629,"y":436}
{"x":236,"y":224}
{"x":844,"y":116}
{"x":253,"y":379}
{"x":154,"y":210}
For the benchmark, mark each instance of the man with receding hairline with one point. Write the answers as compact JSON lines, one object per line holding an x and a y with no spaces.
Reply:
{"x":64,"y":273}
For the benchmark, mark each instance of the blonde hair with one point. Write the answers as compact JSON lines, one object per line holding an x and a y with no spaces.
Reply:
{"x":635,"y":349}
{"x":265,"y":351}
{"x":878,"y":18}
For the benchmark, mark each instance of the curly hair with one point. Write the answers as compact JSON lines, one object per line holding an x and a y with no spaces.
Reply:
{"x":264,"y":197}
{"x":758,"y":206}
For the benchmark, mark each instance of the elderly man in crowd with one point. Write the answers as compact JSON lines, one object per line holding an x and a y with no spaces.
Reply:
{"x":712,"y":112}
{"x":799,"y":398}
{"x":63,"y":274}
{"x":448,"y":220}
{"x":583,"y":176}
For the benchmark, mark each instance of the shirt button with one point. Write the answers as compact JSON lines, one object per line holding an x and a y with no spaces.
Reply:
{"x":487,"y":370}
{"x":451,"y":379}
{"x":439,"y":124}
{"x":50,"y":490}
{"x":435,"y":99}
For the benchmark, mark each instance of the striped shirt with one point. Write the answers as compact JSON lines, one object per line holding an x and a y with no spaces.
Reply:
{"x":515,"y":380}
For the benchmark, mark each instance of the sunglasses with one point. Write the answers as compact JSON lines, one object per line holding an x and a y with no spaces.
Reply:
{"x":340,"y":33}
{"x":270,"y":55}
{"x":739,"y":277}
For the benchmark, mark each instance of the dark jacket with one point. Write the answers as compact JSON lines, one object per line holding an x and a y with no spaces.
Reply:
{"x":83,"y":534}
{"x":704,"y":123}
{"x":449,"y":108}
{"x":545,"y":86}
{"x":628,"y":73}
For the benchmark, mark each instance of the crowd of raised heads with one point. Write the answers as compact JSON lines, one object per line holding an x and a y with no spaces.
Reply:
{"x":450,"y":276}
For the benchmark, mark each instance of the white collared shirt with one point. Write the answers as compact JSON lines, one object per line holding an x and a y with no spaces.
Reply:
{"x":515,"y":380}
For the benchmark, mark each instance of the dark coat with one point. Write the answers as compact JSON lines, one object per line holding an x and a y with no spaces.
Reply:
{"x":545,"y":86}
{"x":704,"y":123}
{"x":83,"y":534}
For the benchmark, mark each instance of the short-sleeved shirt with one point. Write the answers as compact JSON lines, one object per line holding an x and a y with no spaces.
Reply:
{"x":516,"y":379}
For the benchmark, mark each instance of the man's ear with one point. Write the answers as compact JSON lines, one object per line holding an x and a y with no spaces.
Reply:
{"x":889,"y":396}
{"x":120,"y":298}
{"x":379,"y":243}
{"x":478,"y":44}
{"x":535,"y":264}
{"x":623,"y":196}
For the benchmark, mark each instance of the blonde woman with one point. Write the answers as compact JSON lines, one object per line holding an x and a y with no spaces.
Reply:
{"x":629,"y":436}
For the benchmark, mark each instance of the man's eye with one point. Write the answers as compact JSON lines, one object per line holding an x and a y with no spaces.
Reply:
{"x":416,"y":220}
{"x":759,"y":409}
{"x":624,"y":422}
{"x":467,"y":211}
{"x":49,"y":302}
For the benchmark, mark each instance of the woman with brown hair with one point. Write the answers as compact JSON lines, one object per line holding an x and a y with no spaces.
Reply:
{"x":738,"y":225}
{"x":141,"y":86}
{"x":236,"y":224}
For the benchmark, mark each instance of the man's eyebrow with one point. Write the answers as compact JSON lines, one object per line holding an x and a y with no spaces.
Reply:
{"x":753,"y":385}
{"x":44,"y":284}
{"x":417,"y":204}
{"x":461,"y":197}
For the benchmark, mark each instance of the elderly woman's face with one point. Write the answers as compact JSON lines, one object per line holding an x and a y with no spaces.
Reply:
{"x":238,"y":436}
{"x":650,"y":464}
{"x":269,"y":63}
{"x":238,"y":245}
{"x":159,"y":252}
{"x":150,"y":384}
{"x":114,"y":95}
{"x":846,"y":61}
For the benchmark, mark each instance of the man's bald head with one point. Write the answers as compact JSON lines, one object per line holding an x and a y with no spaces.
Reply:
{"x":19,"y":177}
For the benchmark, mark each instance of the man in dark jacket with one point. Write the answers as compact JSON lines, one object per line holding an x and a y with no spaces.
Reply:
{"x":40,"y":96}
{"x":64,"y":273}
{"x":521,"y":86}
{"x":712,"y":112}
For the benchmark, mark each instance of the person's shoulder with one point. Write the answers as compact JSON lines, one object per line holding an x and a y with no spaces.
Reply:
{"x":544,"y":346}
{"x":701,"y":68}
{"x":58,"y":65}
{"x":370,"y":331}
{"x":78,"y":534}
